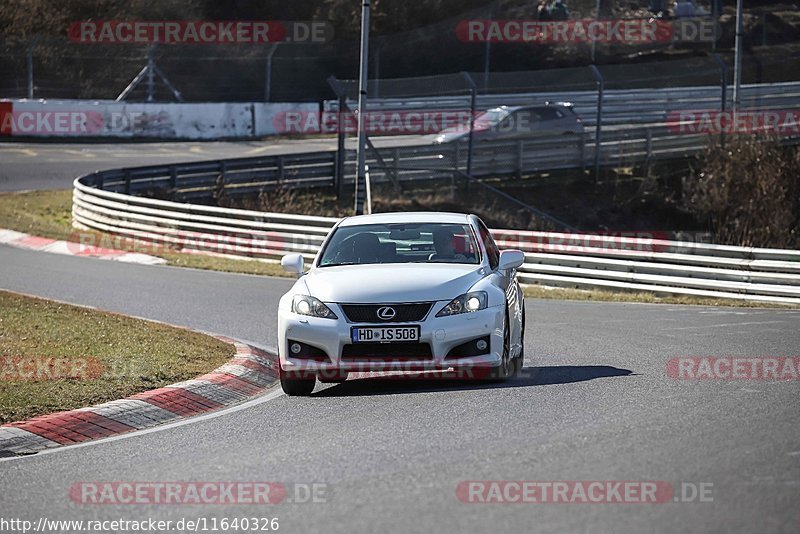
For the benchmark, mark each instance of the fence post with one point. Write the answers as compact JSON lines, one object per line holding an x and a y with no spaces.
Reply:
{"x":520,"y":151}
{"x":473,"y":89}
{"x":30,"y":67}
{"x":723,"y":86}
{"x":151,"y":80}
{"x":281,"y":174}
{"x":340,"y":148}
{"x":268,"y":74}
{"x":487,"y":57}
{"x":598,"y":127}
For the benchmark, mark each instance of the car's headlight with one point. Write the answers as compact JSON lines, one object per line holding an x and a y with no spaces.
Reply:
{"x":466,"y":303}
{"x":308,"y":305}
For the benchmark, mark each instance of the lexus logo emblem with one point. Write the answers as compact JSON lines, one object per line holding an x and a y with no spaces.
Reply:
{"x":386,"y":313}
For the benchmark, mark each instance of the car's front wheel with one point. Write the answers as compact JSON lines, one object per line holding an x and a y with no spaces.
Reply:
{"x":505,"y":369}
{"x":297,"y":383}
{"x":519,"y":361}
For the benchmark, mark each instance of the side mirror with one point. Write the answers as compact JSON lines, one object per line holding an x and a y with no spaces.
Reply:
{"x":511,"y":259}
{"x":293,"y":263}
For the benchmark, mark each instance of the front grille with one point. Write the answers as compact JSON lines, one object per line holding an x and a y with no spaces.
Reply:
{"x":404,"y":313}
{"x":387,"y":351}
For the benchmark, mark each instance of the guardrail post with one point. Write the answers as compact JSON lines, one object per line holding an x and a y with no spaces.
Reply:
{"x":99,"y":182}
{"x":281,"y":172}
{"x":598,"y":127}
{"x":127,"y":182}
{"x":649,"y":155}
{"x":520,"y":152}
{"x":173,"y":178}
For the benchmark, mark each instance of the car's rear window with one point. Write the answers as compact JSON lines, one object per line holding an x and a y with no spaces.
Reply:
{"x":401,"y":243}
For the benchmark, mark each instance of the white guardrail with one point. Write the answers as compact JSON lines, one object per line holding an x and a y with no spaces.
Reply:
{"x":552,"y":259}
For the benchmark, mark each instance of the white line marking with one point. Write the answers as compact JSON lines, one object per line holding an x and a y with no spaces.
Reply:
{"x":726,"y":325}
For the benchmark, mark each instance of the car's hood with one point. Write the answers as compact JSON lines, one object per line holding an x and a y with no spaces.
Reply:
{"x":458,"y":132}
{"x":388,"y":283}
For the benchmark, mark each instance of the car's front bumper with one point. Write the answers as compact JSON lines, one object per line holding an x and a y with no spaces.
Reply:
{"x":442,"y":334}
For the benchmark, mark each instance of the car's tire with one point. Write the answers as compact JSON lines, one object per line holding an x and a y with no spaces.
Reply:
{"x":519,"y":361}
{"x":503,"y":371}
{"x":332,"y":377}
{"x":297,"y":383}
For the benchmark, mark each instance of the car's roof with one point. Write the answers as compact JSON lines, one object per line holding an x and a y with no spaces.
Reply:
{"x":406,"y":217}
{"x":512,"y":109}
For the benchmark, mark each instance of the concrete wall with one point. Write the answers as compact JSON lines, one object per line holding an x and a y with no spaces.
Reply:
{"x":82,"y":118}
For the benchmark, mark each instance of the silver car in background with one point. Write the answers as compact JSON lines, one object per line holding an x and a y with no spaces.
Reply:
{"x":517,"y":122}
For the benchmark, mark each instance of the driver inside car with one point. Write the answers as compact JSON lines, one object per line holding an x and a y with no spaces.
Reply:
{"x":443,"y":244}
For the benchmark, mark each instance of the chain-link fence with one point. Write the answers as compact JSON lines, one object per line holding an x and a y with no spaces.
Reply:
{"x":58,"y":67}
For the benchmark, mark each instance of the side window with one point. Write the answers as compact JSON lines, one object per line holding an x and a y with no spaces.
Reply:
{"x":492,"y":253}
{"x":506,"y":125}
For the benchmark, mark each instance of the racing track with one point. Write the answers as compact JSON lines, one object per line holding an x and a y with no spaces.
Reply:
{"x":595,"y":404}
{"x":42,"y":165}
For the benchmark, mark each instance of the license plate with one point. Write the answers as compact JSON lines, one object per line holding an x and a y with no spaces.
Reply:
{"x":384,"y":334}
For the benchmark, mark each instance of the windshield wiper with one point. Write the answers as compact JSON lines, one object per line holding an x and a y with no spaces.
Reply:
{"x":340,"y":263}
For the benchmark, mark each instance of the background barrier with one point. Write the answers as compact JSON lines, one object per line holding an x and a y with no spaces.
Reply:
{"x":552,"y":259}
{"x":108,"y":118}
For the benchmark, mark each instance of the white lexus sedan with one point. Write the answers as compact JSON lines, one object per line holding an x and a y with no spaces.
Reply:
{"x":402,"y":292}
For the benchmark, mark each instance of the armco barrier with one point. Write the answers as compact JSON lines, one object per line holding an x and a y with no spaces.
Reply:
{"x":552,"y":259}
{"x":620,"y":106}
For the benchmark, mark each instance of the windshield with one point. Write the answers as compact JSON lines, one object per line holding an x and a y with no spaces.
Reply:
{"x":401,"y":243}
{"x":492,"y":116}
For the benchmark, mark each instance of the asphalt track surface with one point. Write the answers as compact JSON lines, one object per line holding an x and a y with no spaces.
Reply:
{"x":595,"y":403}
{"x":28,"y":166}
{"x":35,"y":166}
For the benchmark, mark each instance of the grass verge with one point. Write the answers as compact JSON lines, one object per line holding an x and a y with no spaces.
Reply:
{"x":49,"y":214}
{"x":56,"y":357}
{"x":598,"y":295}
